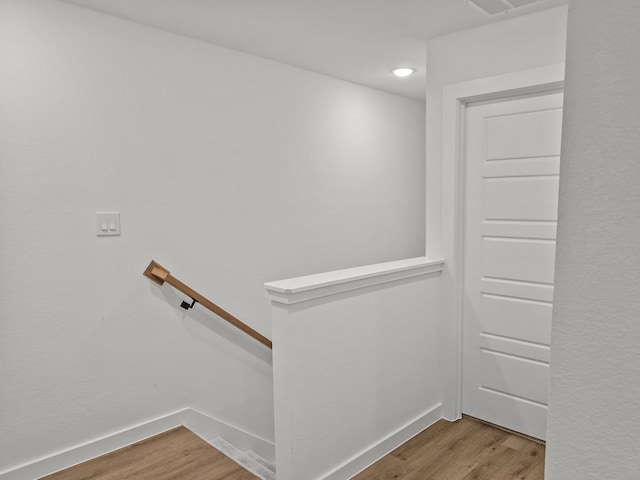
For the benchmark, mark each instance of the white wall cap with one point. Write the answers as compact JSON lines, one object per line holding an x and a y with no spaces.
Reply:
{"x":299,"y":289}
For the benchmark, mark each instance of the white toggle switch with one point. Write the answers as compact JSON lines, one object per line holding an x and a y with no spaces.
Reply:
{"x":108,"y":223}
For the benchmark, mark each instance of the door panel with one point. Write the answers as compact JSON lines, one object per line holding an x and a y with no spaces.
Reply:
{"x":539,"y":230}
{"x":517,"y":318}
{"x":518,"y":259}
{"x":517,"y":376}
{"x":512,"y":158}
{"x":517,"y":135}
{"x":507,"y":345}
{"x":522,"y":167}
{"x":517,"y":198}
{"x":522,"y":290}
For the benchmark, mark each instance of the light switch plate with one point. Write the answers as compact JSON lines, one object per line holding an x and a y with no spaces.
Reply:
{"x":108,"y":224}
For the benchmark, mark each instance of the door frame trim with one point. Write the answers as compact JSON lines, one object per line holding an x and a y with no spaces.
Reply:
{"x":456,"y":98}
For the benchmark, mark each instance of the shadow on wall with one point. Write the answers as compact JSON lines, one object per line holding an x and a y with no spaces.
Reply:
{"x":198,"y":315}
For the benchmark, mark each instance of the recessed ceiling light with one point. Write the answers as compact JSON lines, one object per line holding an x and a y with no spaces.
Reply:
{"x":403,"y":71}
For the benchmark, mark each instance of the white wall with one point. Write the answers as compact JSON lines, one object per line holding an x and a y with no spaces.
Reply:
{"x":355,"y":365}
{"x":594,"y":421}
{"x":514,"y":45}
{"x":227,"y":169}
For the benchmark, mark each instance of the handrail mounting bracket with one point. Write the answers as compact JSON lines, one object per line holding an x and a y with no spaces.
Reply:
{"x":187,"y":306}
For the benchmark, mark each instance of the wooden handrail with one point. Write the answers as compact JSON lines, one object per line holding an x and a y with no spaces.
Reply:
{"x":160,"y":275}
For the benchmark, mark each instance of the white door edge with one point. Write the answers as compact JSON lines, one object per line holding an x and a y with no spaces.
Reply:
{"x":455,"y":99}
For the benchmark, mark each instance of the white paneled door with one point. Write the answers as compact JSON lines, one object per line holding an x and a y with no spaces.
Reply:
{"x":512,"y":160}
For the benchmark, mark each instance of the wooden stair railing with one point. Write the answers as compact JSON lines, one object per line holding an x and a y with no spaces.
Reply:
{"x":160,"y":275}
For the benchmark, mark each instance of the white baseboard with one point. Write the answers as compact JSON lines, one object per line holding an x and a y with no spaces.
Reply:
{"x":202,"y":425}
{"x":209,"y":428}
{"x":385,"y":446}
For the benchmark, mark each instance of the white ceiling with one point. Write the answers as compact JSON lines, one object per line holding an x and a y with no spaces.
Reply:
{"x":355,"y":40}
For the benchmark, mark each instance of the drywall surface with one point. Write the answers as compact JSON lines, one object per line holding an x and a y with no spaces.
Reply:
{"x":594,"y":421}
{"x":227,"y":169}
{"x":514,"y":45}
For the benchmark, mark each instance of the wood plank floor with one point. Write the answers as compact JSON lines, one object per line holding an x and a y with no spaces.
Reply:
{"x":177,"y":454}
{"x":463,"y":450}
